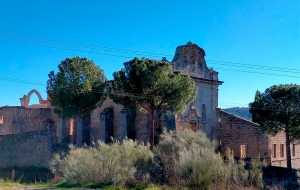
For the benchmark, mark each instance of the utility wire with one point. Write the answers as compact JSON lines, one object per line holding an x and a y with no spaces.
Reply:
{"x":62,"y":48}
{"x":258,"y":72}
{"x":82,"y":45}
{"x":143,"y":96}
{"x":256,"y":67}
{"x":279,"y":69}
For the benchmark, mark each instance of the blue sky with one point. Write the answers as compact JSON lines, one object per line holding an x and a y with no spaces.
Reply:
{"x":264,"y":33}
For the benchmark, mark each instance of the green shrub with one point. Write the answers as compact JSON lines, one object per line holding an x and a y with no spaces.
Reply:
{"x":116,"y":163}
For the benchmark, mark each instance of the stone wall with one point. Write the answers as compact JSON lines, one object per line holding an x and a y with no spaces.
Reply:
{"x":18,"y":119}
{"x":27,"y":149}
{"x":96,"y":124}
{"x":245,"y":138}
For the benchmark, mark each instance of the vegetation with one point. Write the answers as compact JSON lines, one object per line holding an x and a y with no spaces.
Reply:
{"x":189,"y":159}
{"x":114,"y":163}
{"x":77,"y":88}
{"x":154,"y":86}
{"x":184,"y":159}
{"x":277,"y":109}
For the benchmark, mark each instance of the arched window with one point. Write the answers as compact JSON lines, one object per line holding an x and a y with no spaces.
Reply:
{"x":203,"y":112}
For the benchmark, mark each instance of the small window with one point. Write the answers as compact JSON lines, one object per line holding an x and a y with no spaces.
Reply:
{"x":243,"y":151}
{"x":282,"y":150}
{"x":294,"y":150}
{"x":274,"y":150}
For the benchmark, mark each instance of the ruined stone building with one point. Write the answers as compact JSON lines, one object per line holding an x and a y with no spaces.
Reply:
{"x":30,"y":134}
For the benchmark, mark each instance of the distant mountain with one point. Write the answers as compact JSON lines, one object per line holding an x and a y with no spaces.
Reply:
{"x":241,"y":112}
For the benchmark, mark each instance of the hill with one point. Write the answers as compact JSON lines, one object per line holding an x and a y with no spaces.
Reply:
{"x":242,"y":112}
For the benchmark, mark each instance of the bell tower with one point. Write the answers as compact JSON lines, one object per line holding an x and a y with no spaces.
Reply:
{"x":190,"y":59}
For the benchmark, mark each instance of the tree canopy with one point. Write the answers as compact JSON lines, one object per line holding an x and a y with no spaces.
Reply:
{"x":154,"y":86}
{"x":277,"y":109}
{"x":77,"y":88}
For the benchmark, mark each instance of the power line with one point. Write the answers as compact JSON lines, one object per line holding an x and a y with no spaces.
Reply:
{"x":258,"y":72}
{"x":142,"y":96}
{"x":279,"y":69}
{"x":65,"y":49}
{"x":260,"y":68}
{"x":82,"y":45}
{"x":131,"y":57}
{"x":250,"y":65}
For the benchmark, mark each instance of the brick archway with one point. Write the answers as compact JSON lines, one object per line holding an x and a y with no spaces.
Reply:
{"x":41,"y":101}
{"x":26,"y":99}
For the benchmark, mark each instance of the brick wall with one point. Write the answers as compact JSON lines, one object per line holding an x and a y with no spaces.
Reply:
{"x":17,"y":119}
{"x":95,"y":119}
{"x":241,"y":135}
{"x":27,"y":149}
{"x":278,"y":153}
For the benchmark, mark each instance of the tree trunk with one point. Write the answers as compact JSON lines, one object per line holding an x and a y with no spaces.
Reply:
{"x":288,"y":150}
{"x":151,"y":122}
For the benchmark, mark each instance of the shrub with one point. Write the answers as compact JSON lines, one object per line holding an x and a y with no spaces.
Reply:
{"x":117,"y":163}
{"x":239,"y":175}
{"x":189,"y":159}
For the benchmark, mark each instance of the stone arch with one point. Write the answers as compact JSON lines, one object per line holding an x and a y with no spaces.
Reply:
{"x":26,"y":99}
{"x":41,"y":101}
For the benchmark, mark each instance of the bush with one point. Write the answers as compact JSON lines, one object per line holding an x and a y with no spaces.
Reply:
{"x":189,"y":159}
{"x":183,"y":159}
{"x":117,"y":163}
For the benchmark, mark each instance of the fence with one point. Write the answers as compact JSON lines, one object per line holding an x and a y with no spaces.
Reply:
{"x":26,"y":177}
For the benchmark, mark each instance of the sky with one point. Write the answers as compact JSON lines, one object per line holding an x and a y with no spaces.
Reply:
{"x":252,"y":44}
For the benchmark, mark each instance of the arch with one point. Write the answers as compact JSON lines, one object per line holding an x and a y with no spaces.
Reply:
{"x":106,"y":124}
{"x":41,"y":101}
{"x":26,"y":98}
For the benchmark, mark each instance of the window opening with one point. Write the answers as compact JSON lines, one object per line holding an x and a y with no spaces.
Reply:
{"x":243,"y":151}
{"x":282,"y":150}
{"x":294,"y":150}
{"x":274,"y":150}
{"x":193,"y":126}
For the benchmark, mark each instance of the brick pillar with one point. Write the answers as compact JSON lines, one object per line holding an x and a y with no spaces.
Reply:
{"x":79,"y":131}
{"x":71,"y":131}
{"x":123,"y":129}
{"x":59,"y":131}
